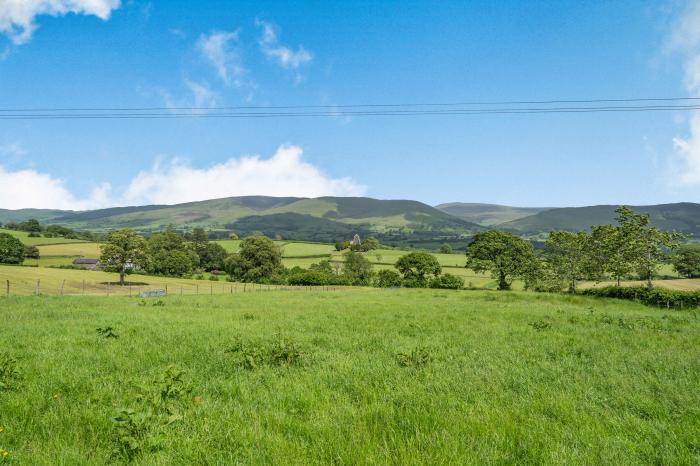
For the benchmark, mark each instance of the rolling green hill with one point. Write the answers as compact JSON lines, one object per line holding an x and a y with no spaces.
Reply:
{"x":683,"y":217}
{"x":320,"y":219}
{"x":487,"y":214}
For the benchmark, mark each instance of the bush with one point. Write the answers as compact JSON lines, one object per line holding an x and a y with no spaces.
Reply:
{"x":313,"y":278}
{"x":447,"y":282}
{"x":650,"y":296}
{"x":388,"y":279}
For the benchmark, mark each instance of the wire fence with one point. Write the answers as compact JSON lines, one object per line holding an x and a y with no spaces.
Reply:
{"x":96,"y":288}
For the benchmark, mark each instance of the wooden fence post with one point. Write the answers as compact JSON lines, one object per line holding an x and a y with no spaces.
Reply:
{"x":7,"y":291}
{"x":38,"y":287}
{"x":196,"y":289}
{"x":211,"y":289}
{"x":83,"y":287}
{"x":62,"y":284}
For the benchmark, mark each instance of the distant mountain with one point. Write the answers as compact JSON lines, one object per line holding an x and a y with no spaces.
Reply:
{"x":487,"y":214}
{"x":324,"y":218}
{"x":22,"y":215}
{"x":399,"y":222}
{"x":683,"y":217}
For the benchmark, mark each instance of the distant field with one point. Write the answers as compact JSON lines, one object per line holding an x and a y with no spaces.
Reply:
{"x":23,"y":280}
{"x":24,"y":237}
{"x":385,"y":377}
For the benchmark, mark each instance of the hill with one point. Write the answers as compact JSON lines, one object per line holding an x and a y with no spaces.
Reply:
{"x":683,"y":217}
{"x":487,"y":214}
{"x":320,"y":219}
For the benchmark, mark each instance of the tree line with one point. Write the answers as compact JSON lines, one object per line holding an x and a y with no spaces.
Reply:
{"x":633,"y":248}
{"x":259,"y":260}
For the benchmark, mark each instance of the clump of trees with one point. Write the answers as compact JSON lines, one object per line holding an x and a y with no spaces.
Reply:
{"x":258,"y":260}
{"x":36,"y":229}
{"x":11,"y":249}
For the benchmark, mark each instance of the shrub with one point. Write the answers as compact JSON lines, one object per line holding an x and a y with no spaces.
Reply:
{"x":650,"y":296}
{"x":388,"y":279}
{"x":447,"y":282}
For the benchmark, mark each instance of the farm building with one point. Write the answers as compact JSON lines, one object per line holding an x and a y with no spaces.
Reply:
{"x":88,"y":264}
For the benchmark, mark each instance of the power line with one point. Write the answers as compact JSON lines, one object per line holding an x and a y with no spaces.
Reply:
{"x":310,"y":107}
{"x":463,"y":108}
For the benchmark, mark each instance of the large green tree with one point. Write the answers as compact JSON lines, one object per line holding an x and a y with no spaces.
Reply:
{"x":11,"y":249}
{"x":418,"y":268}
{"x":503,"y":254}
{"x":170,"y":255}
{"x":124,"y":251}
{"x":568,"y":256}
{"x":648,"y":245}
{"x":686,"y":261}
{"x":258,"y":259}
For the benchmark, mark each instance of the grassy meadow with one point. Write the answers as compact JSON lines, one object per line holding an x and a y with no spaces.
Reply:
{"x":359,"y":376}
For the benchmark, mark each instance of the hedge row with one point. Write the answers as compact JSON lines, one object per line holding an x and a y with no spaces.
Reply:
{"x":660,"y":297}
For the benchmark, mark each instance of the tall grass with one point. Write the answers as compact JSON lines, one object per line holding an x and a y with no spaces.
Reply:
{"x":354,"y":377}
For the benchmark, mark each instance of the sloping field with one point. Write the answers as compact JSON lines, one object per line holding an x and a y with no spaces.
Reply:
{"x":24,"y":237}
{"x":395,"y":377}
{"x":50,"y":281}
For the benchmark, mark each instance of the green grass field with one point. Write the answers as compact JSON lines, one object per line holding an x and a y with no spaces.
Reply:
{"x":24,"y":237}
{"x":363,"y":377}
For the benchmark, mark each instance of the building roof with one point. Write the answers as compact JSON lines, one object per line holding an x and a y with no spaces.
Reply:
{"x":85,"y":261}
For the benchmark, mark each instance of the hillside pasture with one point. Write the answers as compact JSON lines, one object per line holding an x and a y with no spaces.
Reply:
{"x":369,"y":377}
{"x":26,"y":239}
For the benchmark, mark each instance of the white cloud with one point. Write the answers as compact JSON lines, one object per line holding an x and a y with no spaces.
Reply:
{"x":201,"y":97}
{"x":689,"y":151}
{"x":282,"y":55}
{"x":217,"y":49}
{"x":18,"y":17}
{"x":685,"y":39}
{"x":31,"y":189}
{"x":284,"y":174}
{"x":12,"y":150}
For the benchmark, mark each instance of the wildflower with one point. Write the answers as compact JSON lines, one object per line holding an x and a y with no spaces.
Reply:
{"x":4,"y":453}
{"x":2,"y":429}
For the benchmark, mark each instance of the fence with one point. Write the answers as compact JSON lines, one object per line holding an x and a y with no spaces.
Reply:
{"x":93,"y":288}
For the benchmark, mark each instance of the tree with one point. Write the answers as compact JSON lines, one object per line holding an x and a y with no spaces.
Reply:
{"x":388,"y":279}
{"x":258,"y":259}
{"x":357,"y":268}
{"x":418,"y":268}
{"x":369,"y":244}
{"x":687,"y":261}
{"x":31,"y":252}
{"x":567,"y":254}
{"x":447,"y":282}
{"x":170,"y":255}
{"x":233,"y":236}
{"x":124,"y":251}
{"x":211,"y":256}
{"x":323,"y":266}
{"x":611,"y":251}
{"x":11,"y":249}
{"x":31,"y":225}
{"x":648,"y":244}
{"x":503,"y":254}
{"x":446,"y":249}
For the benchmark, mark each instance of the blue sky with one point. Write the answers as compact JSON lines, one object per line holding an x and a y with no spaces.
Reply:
{"x":111,"y":53}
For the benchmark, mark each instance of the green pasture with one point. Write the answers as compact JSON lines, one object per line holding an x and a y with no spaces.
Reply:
{"x":359,"y":376}
{"x":24,"y":237}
